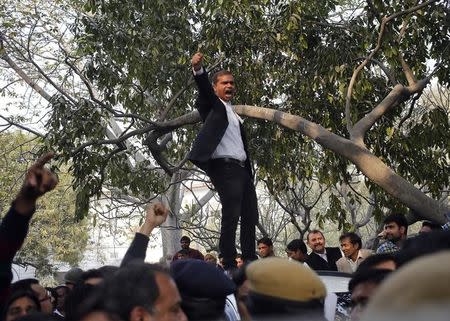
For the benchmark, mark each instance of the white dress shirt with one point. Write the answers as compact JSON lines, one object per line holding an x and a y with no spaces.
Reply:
{"x":231,"y":144}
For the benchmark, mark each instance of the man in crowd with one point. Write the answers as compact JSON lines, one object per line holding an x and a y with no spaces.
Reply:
{"x":296,"y":250}
{"x":394,"y":233}
{"x":239,"y":261}
{"x":61,"y":293}
{"x":265,"y":247}
{"x":383,"y":261}
{"x":137,"y":292}
{"x":321,"y":257}
{"x":72,"y":277}
{"x":39,"y":291}
{"x":220,"y":149}
{"x":353,"y":253}
{"x":428,"y":226}
{"x":186,"y":251}
{"x":362,"y":287}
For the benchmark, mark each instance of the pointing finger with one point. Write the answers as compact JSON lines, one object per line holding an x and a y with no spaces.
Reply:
{"x":44,"y":159}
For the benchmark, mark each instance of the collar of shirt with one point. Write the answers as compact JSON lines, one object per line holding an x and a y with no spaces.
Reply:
{"x":323,"y":255}
{"x":354,"y":264}
{"x":230,"y":107}
{"x":357,"y":258}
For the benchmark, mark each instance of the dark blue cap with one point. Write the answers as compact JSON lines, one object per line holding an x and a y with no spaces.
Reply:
{"x":196,"y":278}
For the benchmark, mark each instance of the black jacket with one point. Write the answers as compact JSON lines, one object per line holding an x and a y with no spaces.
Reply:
{"x":315,"y":262}
{"x":215,"y":123}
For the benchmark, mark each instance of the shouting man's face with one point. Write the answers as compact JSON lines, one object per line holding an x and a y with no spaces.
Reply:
{"x":224,"y":87}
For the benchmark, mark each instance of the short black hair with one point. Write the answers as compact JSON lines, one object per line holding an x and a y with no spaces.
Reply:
{"x":185,"y":239}
{"x":220,"y":73}
{"x":398,"y":219}
{"x":89,"y":274}
{"x":297,"y":244}
{"x":265,"y":240}
{"x":314,"y":232}
{"x":79,"y":299}
{"x":24,"y":284}
{"x":433,"y":226}
{"x":423,"y":244}
{"x":374,"y":260}
{"x":17,"y":294}
{"x":131,"y":286}
{"x":371,"y":275}
{"x":353,"y":237}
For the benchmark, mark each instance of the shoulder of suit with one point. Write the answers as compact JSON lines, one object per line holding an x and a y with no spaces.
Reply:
{"x":333,"y":249}
{"x":342,"y":260}
{"x":366,"y":252}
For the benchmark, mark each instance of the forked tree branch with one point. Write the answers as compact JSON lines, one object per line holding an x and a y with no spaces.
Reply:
{"x":356,"y":72}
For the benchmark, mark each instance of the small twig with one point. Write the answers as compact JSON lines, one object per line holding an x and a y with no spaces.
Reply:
{"x":411,"y":108}
{"x":385,"y":69}
{"x":22,"y":127}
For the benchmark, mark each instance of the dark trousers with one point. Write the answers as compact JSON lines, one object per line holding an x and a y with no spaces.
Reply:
{"x":238,"y":198}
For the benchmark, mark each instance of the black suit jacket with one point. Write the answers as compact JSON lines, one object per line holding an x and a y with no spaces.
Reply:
{"x":215,"y":123}
{"x":315,"y":262}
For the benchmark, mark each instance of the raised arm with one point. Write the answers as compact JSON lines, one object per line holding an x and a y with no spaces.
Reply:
{"x":14,"y":226}
{"x":206,"y":95}
{"x":156,"y":215}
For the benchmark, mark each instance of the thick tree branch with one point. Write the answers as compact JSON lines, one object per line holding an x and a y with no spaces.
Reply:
{"x":161,"y":129}
{"x":356,"y":72}
{"x":369,"y":213}
{"x":397,"y":95}
{"x":370,"y":165}
{"x":407,"y":71}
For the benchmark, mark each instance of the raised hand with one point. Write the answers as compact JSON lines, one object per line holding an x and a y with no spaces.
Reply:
{"x":38,"y":181}
{"x":197,"y":61}
{"x":156,"y":215}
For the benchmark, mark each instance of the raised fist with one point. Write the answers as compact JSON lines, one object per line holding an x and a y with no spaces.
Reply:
{"x":197,"y":60}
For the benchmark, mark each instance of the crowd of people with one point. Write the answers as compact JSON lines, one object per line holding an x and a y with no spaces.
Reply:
{"x":403,"y":273}
{"x":402,"y":277}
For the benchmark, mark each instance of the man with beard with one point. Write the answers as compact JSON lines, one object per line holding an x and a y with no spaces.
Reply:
{"x":395,"y":232}
{"x":186,"y":251}
{"x":321,"y":258}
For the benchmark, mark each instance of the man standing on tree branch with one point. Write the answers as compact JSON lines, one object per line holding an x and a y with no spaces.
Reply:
{"x":220,"y":149}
